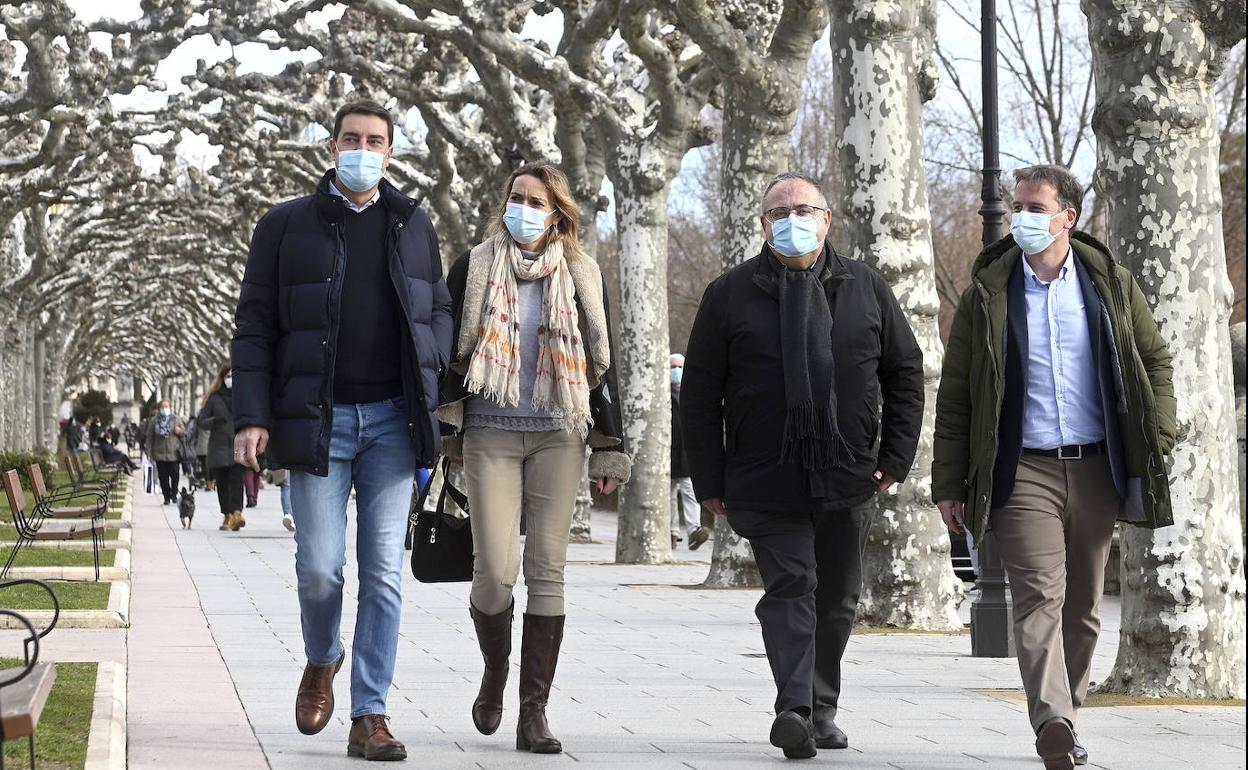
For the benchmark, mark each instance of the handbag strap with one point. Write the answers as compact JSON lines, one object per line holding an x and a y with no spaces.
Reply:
{"x":419,"y":504}
{"x":449,"y":490}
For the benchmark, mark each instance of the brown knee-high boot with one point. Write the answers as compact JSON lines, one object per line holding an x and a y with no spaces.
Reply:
{"x":494,"y":636}
{"x":539,"y":653}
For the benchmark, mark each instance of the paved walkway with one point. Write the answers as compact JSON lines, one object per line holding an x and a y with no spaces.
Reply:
{"x":653,"y":672}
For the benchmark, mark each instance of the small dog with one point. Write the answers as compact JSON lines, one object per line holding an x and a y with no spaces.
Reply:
{"x":186,"y":507}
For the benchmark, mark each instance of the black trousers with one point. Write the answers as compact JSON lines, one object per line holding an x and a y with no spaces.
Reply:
{"x":168,"y":472}
{"x":811,"y":565}
{"x":229,"y":481}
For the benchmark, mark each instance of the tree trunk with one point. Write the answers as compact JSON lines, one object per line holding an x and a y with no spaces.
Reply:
{"x":580,"y":515}
{"x":641,"y":211}
{"x":1157,"y":168}
{"x":883,"y":74}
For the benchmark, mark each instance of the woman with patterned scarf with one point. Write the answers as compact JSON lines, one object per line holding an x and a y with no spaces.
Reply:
{"x":164,"y":440}
{"x":531,"y":385}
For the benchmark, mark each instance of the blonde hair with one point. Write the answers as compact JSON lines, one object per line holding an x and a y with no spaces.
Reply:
{"x":567,"y":229}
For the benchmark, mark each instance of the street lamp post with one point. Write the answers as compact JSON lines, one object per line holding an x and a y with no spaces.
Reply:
{"x":992,"y":615}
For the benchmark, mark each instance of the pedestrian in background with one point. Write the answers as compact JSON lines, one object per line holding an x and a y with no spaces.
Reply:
{"x":686,"y":512}
{"x":217,"y":416}
{"x":164,"y":446}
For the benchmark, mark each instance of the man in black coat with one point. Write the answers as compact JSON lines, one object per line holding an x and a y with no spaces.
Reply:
{"x":795,"y":358}
{"x":343,"y":331}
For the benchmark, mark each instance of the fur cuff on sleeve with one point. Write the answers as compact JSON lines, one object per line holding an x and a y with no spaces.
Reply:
{"x":613,"y":465}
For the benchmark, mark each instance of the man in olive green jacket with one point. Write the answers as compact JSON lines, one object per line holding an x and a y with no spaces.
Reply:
{"x":1053,"y":419}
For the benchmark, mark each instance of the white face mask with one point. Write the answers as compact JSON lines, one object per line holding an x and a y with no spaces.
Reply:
{"x":228,"y":381}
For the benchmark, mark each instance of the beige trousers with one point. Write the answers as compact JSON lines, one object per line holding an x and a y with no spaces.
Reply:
{"x":509,"y":472}
{"x":1054,"y":535}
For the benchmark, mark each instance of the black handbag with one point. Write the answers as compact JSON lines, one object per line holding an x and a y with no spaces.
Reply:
{"x":441,"y":541}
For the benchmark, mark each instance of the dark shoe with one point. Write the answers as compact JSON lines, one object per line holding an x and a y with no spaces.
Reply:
{"x":675,"y":540}
{"x":251,"y":502}
{"x":698,"y":537}
{"x":1054,"y":745}
{"x":793,"y":733}
{"x":370,"y":738}
{"x":828,"y":735}
{"x":494,"y":637}
{"x":1079,"y":753}
{"x":539,"y":654}
{"x":314,"y":704}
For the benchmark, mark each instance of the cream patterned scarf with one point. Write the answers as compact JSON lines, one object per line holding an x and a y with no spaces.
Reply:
{"x":561,"y":387}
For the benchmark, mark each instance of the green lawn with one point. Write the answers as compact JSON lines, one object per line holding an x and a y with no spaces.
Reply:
{"x":56,"y":557}
{"x":61,"y":738}
{"x":73,"y":596}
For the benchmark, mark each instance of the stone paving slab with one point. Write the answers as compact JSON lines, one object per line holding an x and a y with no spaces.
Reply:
{"x":650,"y":674}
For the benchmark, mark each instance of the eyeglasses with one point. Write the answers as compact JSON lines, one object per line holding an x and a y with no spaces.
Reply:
{"x":782,"y":212}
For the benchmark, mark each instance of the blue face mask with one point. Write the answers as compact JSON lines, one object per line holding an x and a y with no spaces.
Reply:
{"x":793,"y":237}
{"x":1031,"y":231}
{"x":360,"y":170}
{"x":677,"y":373}
{"x":525,"y":224}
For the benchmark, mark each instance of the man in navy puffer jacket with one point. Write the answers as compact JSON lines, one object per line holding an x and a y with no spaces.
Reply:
{"x":343,"y":330}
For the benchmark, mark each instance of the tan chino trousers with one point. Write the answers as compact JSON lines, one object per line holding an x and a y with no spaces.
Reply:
{"x":509,"y":472}
{"x":1054,"y":535}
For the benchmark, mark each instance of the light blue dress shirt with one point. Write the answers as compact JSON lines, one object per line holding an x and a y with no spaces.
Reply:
{"x":1063,"y":405}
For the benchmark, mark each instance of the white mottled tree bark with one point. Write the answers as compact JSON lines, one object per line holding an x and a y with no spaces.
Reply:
{"x":1157,"y":150}
{"x":581,"y":514}
{"x":883,"y":75}
{"x":641,"y":210}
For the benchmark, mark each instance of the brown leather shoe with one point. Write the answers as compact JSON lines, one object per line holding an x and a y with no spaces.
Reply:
{"x":314,"y":704}
{"x":698,"y":537}
{"x":370,"y":738}
{"x":1055,"y":744}
{"x":238,"y":522}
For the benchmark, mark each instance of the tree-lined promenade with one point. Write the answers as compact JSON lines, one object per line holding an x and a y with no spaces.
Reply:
{"x":125,"y":239}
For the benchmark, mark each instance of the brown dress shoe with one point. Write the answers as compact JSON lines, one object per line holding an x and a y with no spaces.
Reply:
{"x":314,"y":704}
{"x":371,"y":738}
{"x":1055,"y":744}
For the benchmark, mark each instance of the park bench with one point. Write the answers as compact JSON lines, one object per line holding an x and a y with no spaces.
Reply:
{"x":32,"y":525}
{"x":24,"y":691}
{"x":80,"y":479}
{"x":102,"y":467}
{"x":58,"y":499}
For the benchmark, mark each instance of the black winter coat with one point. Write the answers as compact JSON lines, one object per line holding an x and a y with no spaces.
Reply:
{"x":286,"y":325}
{"x":680,"y":464}
{"x":732,"y":393}
{"x":218,"y":419}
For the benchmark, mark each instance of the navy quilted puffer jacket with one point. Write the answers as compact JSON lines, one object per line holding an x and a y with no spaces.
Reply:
{"x":286,"y":325}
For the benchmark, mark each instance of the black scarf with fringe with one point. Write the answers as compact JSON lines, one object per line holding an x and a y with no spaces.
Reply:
{"x":811,"y":436}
